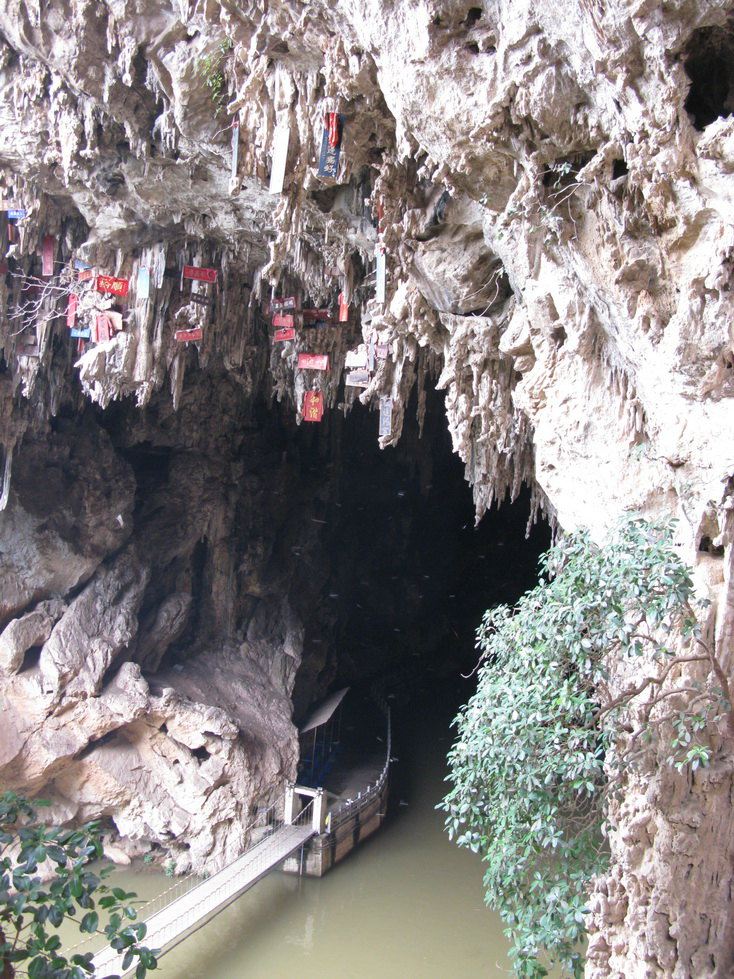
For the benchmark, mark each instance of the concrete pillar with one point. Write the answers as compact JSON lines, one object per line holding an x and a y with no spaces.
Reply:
{"x":290,"y":808}
{"x":319,"y":812}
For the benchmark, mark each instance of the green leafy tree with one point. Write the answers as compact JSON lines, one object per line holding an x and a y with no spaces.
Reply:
{"x":32,"y":909}
{"x":554,"y":725}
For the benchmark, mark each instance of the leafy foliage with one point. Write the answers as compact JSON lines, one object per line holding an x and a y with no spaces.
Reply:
{"x":211,"y":69}
{"x":31,"y":910}
{"x":538,"y":740}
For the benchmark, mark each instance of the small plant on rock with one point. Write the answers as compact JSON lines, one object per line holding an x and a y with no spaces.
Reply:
{"x":211,"y":69}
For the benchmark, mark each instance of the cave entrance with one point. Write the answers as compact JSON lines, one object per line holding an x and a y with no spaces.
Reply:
{"x":407,"y":574}
{"x":709,"y":63}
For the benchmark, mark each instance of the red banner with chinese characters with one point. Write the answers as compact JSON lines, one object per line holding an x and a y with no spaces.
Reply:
{"x":313,"y":362}
{"x":313,"y":406}
{"x":288,"y":320}
{"x":71,"y":309}
{"x":199,"y":273}
{"x":184,"y":336}
{"x":287,"y":333}
{"x":109,"y":284}
{"x":47,"y":255}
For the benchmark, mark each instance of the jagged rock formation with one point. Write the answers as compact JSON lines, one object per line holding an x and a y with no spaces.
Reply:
{"x":554,"y":190}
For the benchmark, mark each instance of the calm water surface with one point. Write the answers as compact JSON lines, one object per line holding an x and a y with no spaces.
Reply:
{"x":407,"y":903}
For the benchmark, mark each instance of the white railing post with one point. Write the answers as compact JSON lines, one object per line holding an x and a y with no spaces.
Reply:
{"x":319,"y":812}
{"x":289,"y":808}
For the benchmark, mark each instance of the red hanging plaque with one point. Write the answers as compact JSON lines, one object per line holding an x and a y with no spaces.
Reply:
{"x":102,"y":328}
{"x":47,"y":255}
{"x":332,"y":124}
{"x":184,"y":336}
{"x":108,"y":283}
{"x":197,"y":272}
{"x":313,"y":406}
{"x":313,"y":362}
{"x":343,"y":309}
{"x":285,"y":319}
{"x":85,"y":275}
{"x":286,"y":333}
{"x":316,"y":315}
{"x":71,"y":309}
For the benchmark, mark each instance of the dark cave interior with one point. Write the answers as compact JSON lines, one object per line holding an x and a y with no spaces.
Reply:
{"x":709,"y":63}
{"x":251,"y":518}
{"x":410,"y":574}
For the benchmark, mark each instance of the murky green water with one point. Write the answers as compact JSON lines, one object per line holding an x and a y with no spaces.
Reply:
{"x":406,"y":904}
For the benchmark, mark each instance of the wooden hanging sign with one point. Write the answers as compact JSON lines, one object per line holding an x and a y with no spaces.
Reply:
{"x":357,"y":379}
{"x":199,"y":273}
{"x":385,"y":417}
{"x":287,"y":302}
{"x":343,"y":309}
{"x":280,"y":156}
{"x":109,"y":284}
{"x":371,"y":355}
{"x":142,"y":284}
{"x":80,"y":333}
{"x":356,"y":358}
{"x":286,"y":320}
{"x":199,"y":298}
{"x":47,"y":255}
{"x":85,"y":275}
{"x":102,"y":329}
{"x":313,"y":362}
{"x":313,"y":406}
{"x":331,"y":146}
{"x":285,"y":333}
{"x":186,"y":336}
{"x":71,"y":309}
{"x":316,"y":315}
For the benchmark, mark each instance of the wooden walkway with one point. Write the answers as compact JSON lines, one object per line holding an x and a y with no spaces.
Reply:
{"x":178,"y":919}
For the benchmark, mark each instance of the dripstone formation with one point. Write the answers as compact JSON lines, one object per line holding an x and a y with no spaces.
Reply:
{"x":529,"y":205}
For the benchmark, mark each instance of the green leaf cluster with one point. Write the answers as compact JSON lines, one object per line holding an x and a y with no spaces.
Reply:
{"x":33,"y":908}
{"x":211,"y":69}
{"x":527,"y":768}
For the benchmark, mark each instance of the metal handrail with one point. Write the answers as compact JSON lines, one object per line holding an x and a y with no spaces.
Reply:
{"x":266,"y":820}
{"x":351,"y":807}
{"x":217,"y":892}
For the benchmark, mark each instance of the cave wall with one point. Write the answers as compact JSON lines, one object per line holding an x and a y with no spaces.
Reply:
{"x":553,"y":189}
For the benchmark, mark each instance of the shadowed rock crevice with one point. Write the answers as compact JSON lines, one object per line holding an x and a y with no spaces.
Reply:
{"x":709,"y":64}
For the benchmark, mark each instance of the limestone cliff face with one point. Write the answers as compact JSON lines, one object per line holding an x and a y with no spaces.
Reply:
{"x":552,"y":185}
